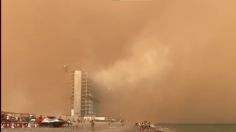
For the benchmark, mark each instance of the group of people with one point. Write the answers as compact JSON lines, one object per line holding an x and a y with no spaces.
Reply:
{"x":80,"y":123}
{"x":143,"y":126}
{"x":18,"y":121}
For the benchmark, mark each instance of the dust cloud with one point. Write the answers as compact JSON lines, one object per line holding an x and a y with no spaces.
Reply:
{"x":164,"y":61}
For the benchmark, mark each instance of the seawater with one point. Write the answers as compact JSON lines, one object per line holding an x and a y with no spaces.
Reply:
{"x":199,"y":127}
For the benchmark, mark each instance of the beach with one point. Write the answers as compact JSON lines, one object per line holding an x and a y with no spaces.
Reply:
{"x":99,"y":127}
{"x":68,"y":130}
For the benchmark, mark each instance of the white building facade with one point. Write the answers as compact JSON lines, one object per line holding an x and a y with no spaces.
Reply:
{"x":82,"y":95}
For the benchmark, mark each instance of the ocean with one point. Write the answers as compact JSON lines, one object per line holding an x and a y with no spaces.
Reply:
{"x":199,"y":127}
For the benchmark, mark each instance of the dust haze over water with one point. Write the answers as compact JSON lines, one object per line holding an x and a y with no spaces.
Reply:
{"x":165,"y":61}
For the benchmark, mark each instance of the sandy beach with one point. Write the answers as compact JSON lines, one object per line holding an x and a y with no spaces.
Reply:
{"x":98,"y":128}
{"x":101,"y":127}
{"x":69,"y":130}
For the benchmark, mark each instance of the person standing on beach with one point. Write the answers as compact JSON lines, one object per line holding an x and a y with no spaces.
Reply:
{"x":122,"y":122}
{"x":92,"y":123}
{"x":78,"y":121}
{"x":38,"y":120}
{"x":68,"y":122}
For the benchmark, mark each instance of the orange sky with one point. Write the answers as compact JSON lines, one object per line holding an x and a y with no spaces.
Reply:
{"x":165,"y":61}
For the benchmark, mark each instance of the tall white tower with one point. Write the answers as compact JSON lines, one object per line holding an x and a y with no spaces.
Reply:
{"x":77,"y":86}
{"x":82,"y":93}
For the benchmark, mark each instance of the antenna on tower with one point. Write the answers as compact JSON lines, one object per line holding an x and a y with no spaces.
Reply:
{"x":66,"y":68}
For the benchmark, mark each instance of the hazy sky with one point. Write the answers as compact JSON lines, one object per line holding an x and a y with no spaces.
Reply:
{"x":159,"y":60}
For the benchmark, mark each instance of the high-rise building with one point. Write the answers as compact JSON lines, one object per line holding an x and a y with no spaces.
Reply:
{"x":82,"y":95}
